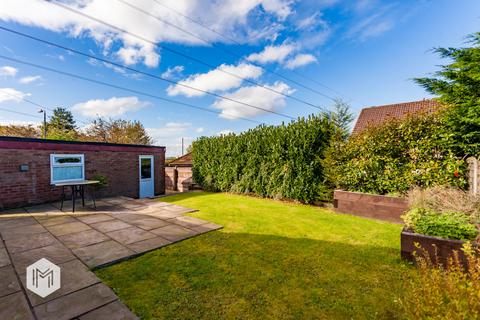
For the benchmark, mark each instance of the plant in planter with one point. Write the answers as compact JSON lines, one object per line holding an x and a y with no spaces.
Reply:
{"x":102,"y":182}
{"x":438,"y":223}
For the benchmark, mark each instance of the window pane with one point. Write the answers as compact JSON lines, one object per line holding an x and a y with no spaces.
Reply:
{"x":146,"y":168}
{"x":65,"y":160}
{"x":67,"y":173}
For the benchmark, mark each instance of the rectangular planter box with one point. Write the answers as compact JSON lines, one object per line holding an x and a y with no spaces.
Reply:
{"x":438,"y":249}
{"x":370,"y":205}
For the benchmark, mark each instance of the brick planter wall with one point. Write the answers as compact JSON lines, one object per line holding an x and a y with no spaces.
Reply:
{"x":119,"y":163}
{"x":370,"y":206}
{"x":437,"y":249}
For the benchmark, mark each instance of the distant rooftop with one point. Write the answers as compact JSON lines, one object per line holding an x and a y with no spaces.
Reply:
{"x":374,"y":116}
{"x":183,"y":161}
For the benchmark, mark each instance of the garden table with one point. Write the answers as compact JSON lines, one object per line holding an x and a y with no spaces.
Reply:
{"x":77,"y":187}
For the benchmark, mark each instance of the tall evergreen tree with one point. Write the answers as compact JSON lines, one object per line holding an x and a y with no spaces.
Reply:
{"x":458,"y":86}
{"x":62,"y":119}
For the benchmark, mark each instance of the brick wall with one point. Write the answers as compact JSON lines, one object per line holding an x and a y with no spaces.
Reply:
{"x":370,"y":206}
{"x":178,"y":178}
{"x":119,"y":163}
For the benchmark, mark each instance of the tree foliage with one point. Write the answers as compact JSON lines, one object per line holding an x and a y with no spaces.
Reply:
{"x":458,"y":85}
{"x":117,"y":131}
{"x":396,"y":156}
{"x":282,"y":162}
{"x":26,"y":131}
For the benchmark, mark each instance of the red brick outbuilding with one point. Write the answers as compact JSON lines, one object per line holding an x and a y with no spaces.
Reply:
{"x":28,"y":169}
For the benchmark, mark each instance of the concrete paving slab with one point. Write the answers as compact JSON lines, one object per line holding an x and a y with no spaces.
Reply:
{"x":93,"y":218}
{"x":148,"y":245}
{"x":207,"y":227}
{"x":67,"y":228}
{"x":112,"y":311}
{"x":130,"y":235}
{"x":187,"y":222}
{"x":51,"y":221}
{"x":29,"y":242}
{"x":111,"y":225}
{"x":75,"y":304}
{"x":12,"y":222}
{"x":174,"y":232}
{"x":102,"y":253}
{"x":8,"y":281}
{"x":18,"y":232}
{"x":4,"y":258}
{"x":74,"y":276}
{"x":44,"y":208}
{"x":15,"y":306}
{"x":82,"y":239}
{"x":56,"y":253}
{"x":149,"y":223}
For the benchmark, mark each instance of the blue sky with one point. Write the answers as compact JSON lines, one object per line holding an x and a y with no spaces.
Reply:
{"x":365,"y":52}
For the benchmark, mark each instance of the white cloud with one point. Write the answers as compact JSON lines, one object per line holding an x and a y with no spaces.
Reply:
{"x":216,"y":80}
{"x":300,"y":60}
{"x":10,"y":94}
{"x":109,"y":107}
{"x":171,"y":136}
{"x":199,"y":130}
{"x":8,"y":71}
{"x":308,"y":22}
{"x":272,"y":54}
{"x":14,"y":122}
{"x":230,"y":16}
{"x":171,"y":129}
{"x":173,"y":72}
{"x":373,"y":25}
{"x":253,"y":95}
{"x":29,"y":79}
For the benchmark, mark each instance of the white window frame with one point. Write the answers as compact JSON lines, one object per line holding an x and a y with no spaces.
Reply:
{"x":63,"y":165}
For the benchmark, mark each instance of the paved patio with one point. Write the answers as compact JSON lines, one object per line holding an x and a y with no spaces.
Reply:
{"x":120,"y":228}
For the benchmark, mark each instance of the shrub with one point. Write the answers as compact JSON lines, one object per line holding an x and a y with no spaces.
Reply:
{"x":281,"y":162}
{"x":446,"y":199}
{"x":449,"y":225}
{"x":395,"y":157}
{"x":435,"y":292}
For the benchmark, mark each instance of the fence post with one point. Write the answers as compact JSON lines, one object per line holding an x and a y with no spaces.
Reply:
{"x":473,"y":175}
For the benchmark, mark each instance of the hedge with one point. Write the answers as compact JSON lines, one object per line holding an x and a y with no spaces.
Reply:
{"x":397,"y":156}
{"x":282,"y":162}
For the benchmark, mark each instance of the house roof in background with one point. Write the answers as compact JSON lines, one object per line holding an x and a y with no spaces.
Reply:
{"x":374,"y":116}
{"x":183,"y":161}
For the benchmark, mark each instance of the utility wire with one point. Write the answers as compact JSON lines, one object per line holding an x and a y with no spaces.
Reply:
{"x":199,"y":23}
{"x":166,"y":48}
{"x":20,"y":113}
{"x":76,"y":76}
{"x":221,"y":48}
{"x":32,"y":103}
{"x":68,"y":49}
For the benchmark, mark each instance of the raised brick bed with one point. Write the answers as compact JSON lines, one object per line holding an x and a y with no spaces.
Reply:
{"x":438,"y":249}
{"x":370,"y":205}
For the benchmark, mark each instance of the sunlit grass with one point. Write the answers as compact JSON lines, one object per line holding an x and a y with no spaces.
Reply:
{"x":271,"y":260}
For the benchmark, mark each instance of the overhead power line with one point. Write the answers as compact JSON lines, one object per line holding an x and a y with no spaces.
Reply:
{"x":199,"y":23}
{"x":20,"y":113}
{"x":91,"y":56}
{"x":32,"y":103}
{"x":179,"y":53}
{"x":76,"y":76}
{"x":221,"y":48}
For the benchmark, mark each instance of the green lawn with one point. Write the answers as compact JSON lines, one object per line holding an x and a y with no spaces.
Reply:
{"x":272,"y":260}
